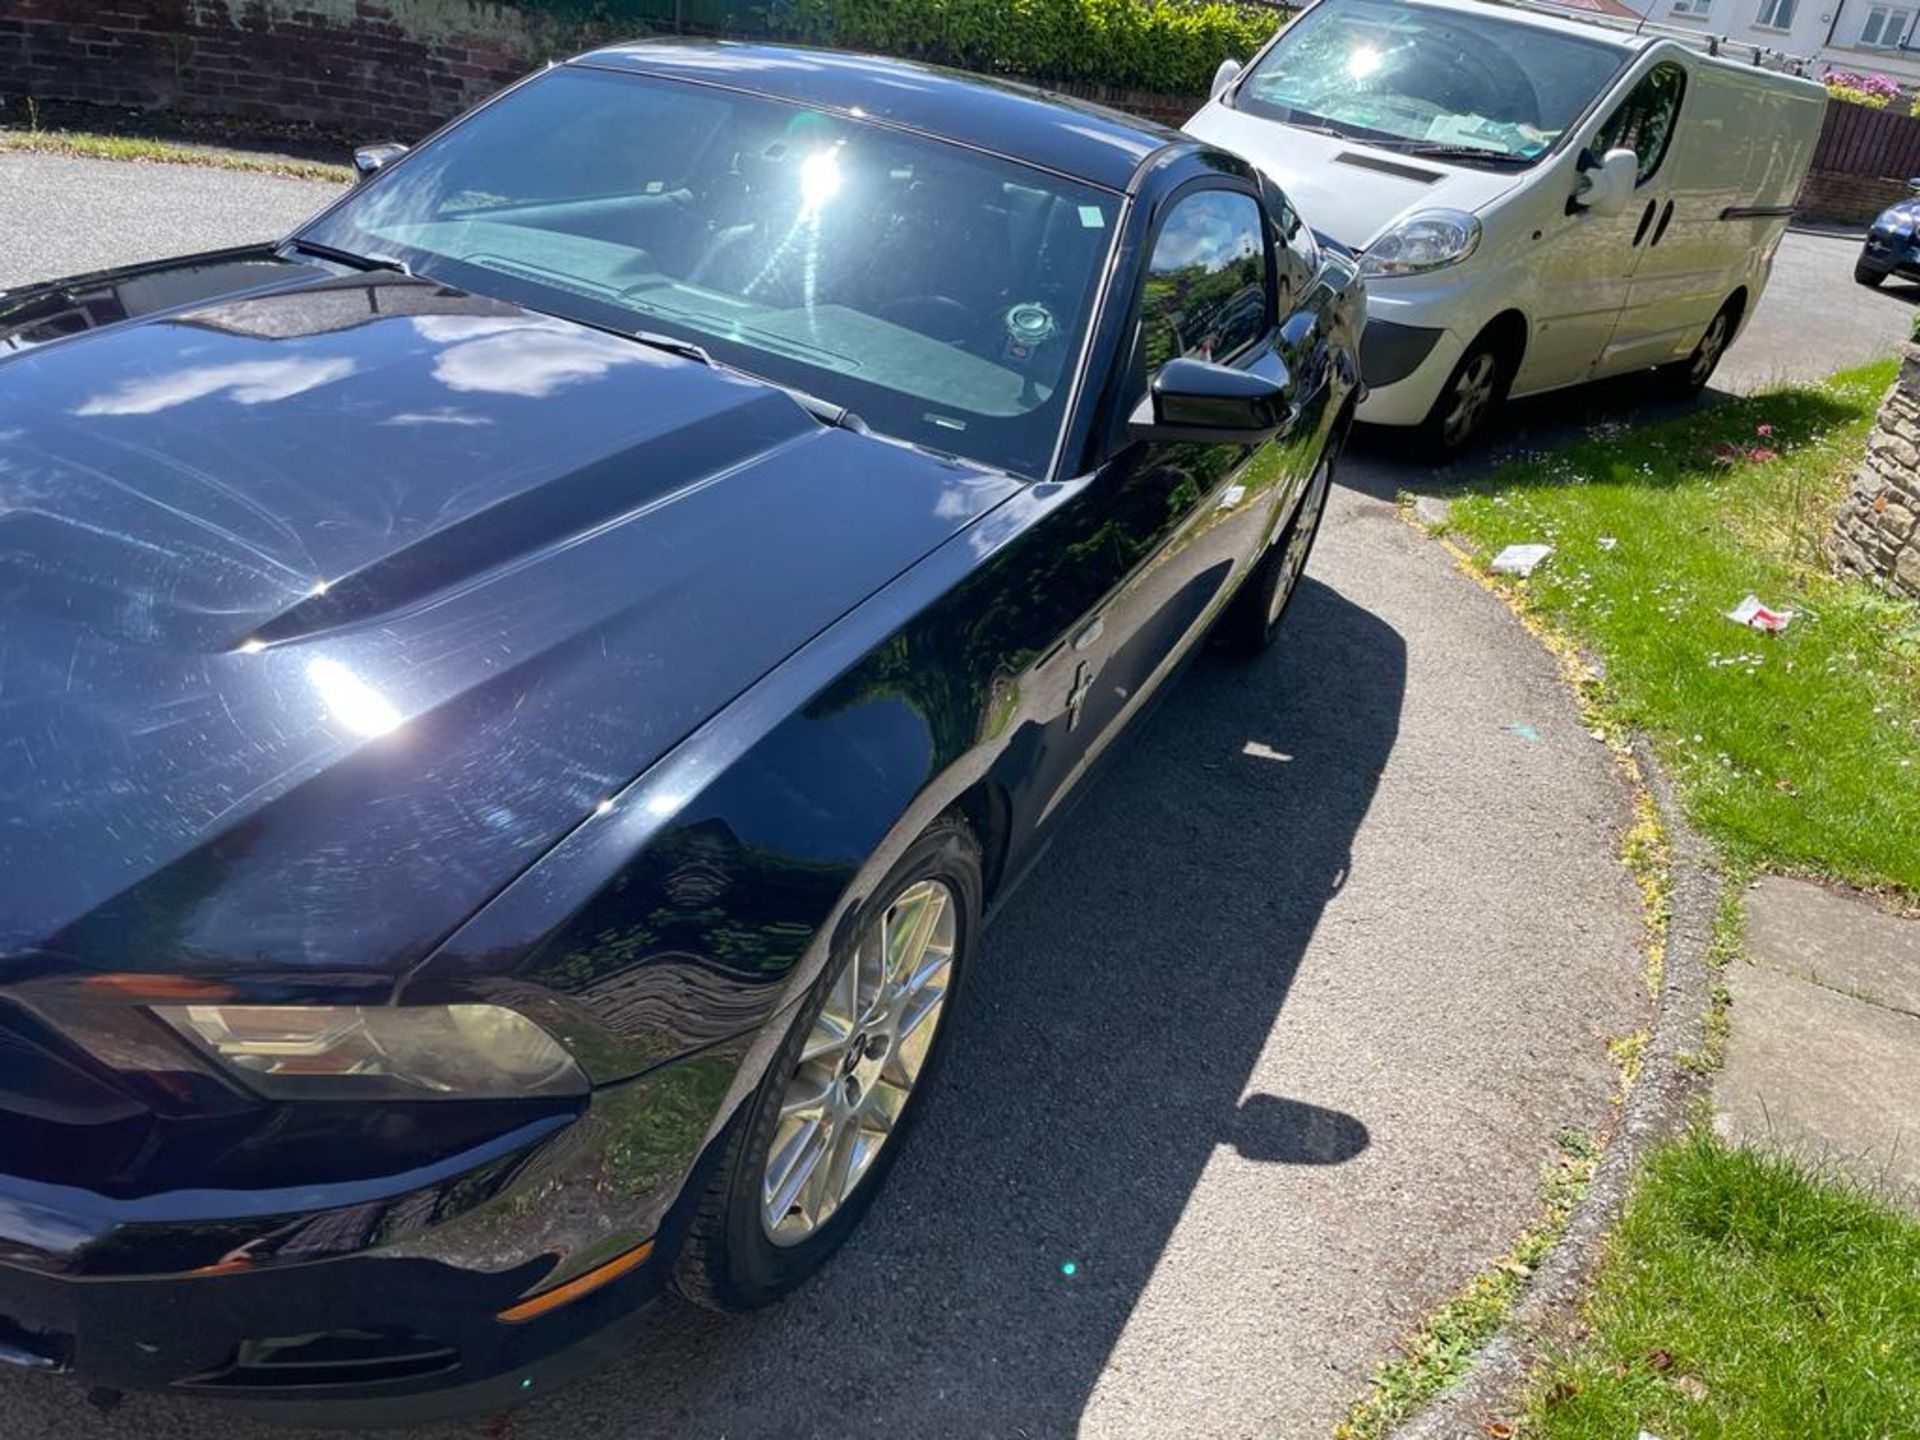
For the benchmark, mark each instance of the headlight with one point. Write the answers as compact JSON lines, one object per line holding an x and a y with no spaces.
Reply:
{"x":351,"y":1052}
{"x":1425,"y":241}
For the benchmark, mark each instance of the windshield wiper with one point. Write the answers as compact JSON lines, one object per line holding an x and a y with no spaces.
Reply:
{"x":837,"y":417}
{"x":348,"y":257}
{"x":673,"y":345}
{"x":1469,"y":153}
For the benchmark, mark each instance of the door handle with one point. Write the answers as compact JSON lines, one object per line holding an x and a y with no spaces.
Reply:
{"x":1666,"y":216}
{"x":1646,"y":219}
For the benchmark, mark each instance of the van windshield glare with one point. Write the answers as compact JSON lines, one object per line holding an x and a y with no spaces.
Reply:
{"x":1429,"y":80}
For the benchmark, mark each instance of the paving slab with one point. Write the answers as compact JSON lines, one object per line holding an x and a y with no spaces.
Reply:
{"x":1823,"y":1074}
{"x":1841,"y":941}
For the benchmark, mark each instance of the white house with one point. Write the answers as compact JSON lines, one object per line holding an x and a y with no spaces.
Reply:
{"x":1865,"y":36}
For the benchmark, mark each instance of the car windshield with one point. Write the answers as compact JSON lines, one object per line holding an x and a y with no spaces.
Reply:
{"x":1428,"y":80}
{"x":938,"y":293}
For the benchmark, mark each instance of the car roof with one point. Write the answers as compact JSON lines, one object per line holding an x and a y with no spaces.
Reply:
{"x":1056,"y":132}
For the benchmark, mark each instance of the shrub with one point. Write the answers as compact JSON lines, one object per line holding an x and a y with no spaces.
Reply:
{"x":1876,"y":92}
{"x":1171,"y":46}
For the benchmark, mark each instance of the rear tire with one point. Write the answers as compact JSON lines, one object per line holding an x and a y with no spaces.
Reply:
{"x":1684,"y":379}
{"x":1253,"y":619}
{"x":1872,"y":279}
{"x":1474,"y":391}
{"x":738,"y":1254}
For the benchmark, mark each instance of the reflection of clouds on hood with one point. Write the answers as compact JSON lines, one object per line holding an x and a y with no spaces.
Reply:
{"x":445,"y":415}
{"x":246,"y":382}
{"x":507,"y":356}
{"x":1208,"y":230}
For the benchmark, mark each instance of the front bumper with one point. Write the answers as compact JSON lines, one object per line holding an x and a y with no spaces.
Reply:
{"x":1889,"y":253}
{"x":372,"y":1298}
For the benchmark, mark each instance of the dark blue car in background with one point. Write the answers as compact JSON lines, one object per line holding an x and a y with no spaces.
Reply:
{"x":515,"y":701}
{"x":1891,"y":247}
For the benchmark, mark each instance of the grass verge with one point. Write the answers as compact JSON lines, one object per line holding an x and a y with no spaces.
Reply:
{"x":1439,"y":1353}
{"x":90,"y":146}
{"x":1797,"y":752}
{"x":1745,"y":1296}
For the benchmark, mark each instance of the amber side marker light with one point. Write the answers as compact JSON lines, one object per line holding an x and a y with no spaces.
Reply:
{"x":573,"y":1289}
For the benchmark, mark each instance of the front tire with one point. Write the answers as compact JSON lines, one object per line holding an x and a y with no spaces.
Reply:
{"x":1864,"y":274}
{"x":1477,"y":387}
{"x":815,"y":1143}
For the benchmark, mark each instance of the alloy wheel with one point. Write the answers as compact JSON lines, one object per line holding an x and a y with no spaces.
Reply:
{"x":1473,"y":393}
{"x":1306,"y":520}
{"x":859,"y":1063}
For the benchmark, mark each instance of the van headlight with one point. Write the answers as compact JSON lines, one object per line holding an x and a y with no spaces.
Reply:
{"x":380,"y":1052}
{"x":1428,"y":240}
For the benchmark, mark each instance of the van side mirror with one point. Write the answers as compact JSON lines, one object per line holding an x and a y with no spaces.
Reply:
{"x":1914,"y":184}
{"x":1225,"y":75}
{"x":370,"y":160}
{"x":1202,"y":403}
{"x":1606,"y":187}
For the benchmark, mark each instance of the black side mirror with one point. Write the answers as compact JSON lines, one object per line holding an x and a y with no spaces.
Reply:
{"x":370,"y":160}
{"x":1208,"y":404}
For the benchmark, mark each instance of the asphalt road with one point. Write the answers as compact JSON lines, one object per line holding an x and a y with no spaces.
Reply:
{"x":1270,"y":1046}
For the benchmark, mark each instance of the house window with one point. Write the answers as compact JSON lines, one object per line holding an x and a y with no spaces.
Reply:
{"x":1775,"y":14}
{"x":1698,"y":9}
{"x":1885,"y":27}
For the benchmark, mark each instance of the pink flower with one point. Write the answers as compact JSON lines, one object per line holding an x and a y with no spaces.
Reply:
{"x":1763,"y":430}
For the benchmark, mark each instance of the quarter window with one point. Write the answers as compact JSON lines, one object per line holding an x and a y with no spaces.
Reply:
{"x":1644,"y":122}
{"x":1885,"y":26}
{"x":1207,"y":287}
{"x":1776,"y":14}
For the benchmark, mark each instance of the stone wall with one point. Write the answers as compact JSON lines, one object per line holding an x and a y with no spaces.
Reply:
{"x":374,"y":69}
{"x":1874,"y":534}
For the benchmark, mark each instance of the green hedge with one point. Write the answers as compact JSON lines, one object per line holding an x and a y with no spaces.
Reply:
{"x":1166,"y":45}
{"x":1172,"y":47}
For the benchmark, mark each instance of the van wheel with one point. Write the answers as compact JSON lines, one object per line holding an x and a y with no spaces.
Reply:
{"x":1872,"y":279}
{"x":1686,"y":378}
{"x":1476,"y":388}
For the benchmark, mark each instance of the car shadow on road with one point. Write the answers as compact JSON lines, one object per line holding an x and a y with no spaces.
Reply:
{"x":1103,"y":1052}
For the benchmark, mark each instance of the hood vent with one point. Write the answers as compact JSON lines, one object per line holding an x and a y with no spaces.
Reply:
{"x":1388,"y":167}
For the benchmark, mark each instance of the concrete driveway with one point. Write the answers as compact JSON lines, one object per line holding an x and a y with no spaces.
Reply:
{"x":1270,"y":1047}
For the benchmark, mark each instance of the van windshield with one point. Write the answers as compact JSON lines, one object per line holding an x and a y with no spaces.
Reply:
{"x":1430,"y":81}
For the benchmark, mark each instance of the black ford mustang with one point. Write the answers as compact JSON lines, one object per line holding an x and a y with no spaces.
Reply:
{"x":514,"y":701}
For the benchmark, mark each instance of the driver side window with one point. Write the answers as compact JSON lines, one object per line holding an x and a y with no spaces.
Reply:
{"x":1208,"y":287}
{"x":1645,"y":120}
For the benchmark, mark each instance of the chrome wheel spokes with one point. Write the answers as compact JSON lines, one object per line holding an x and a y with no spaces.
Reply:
{"x":859,"y":1063}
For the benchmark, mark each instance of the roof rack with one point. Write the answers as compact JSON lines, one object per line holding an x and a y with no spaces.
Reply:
{"x":1719,"y":47}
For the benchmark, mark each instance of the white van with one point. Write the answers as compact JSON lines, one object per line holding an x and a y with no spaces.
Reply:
{"x":1538,"y":200}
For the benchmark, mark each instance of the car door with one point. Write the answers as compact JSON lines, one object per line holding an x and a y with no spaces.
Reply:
{"x":1584,"y":269}
{"x":1175,"y":524}
{"x":1693,"y":156}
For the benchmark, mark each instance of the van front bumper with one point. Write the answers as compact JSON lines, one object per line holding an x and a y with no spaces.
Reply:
{"x":1404,"y":367}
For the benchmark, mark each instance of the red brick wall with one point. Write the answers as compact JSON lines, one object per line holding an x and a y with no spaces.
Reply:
{"x":1847,"y":199}
{"x":366,"y":66}
{"x":372,"y":68}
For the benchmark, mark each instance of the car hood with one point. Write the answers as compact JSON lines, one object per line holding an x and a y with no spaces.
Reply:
{"x":1904,"y":216}
{"x":1349,"y":190}
{"x":326,"y":609}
